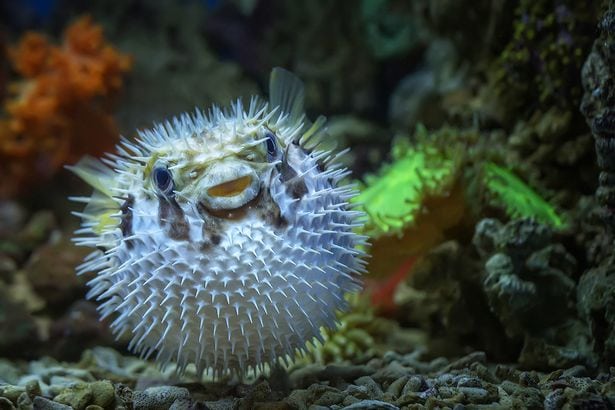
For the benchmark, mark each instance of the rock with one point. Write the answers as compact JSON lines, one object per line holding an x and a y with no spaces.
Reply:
{"x":12,"y":218}
{"x":310,"y":374}
{"x":224,"y":404}
{"x":530,"y":287}
{"x":12,"y":392}
{"x":7,"y":267}
{"x":24,"y":402}
{"x":18,"y":330}
{"x":391,"y":372}
{"x":78,"y":396}
{"x":415,"y":384}
{"x":466,"y":361}
{"x":371,"y":405}
{"x":159,"y":398}
{"x":6,"y":404}
{"x":396,"y":387}
{"x":103,"y":393}
{"x":348,"y":400}
{"x":41,"y":403}
{"x":33,"y":389}
{"x":271,"y":405}
{"x":359,"y":392}
{"x":124,"y":394}
{"x":298,"y":399}
{"x":596,"y":304}
{"x":78,"y":329}
{"x":305,"y":376}
{"x":51,"y":271}
{"x":476,"y":394}
{"x":346,"y":372}
{"x":330,"y":398}
{"x":374,"y":391}
{"x":9,"y":374}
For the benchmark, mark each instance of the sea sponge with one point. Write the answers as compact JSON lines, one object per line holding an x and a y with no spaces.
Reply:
{"x":60,"y":107}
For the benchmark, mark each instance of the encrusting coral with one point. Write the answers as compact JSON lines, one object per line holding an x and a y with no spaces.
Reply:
{"x":60,"y":108}
{"x":440,"y":182}
{"x":417,"y":195}
{"x":541,"y":63}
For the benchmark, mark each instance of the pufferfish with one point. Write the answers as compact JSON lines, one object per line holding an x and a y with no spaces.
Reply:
{"x":223,"y":240}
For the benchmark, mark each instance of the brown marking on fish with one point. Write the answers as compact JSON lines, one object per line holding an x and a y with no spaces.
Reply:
{"x":295,"y":185}
{"x":126,"y":219}
{"x":215,"y":239}
{"x":211,"y":233}
{"x":273,"y":216}
{"x":270,"y":212}
{"x":171,"y":217}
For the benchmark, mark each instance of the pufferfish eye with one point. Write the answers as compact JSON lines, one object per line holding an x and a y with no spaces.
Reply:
{"x":272,"y":146}
{"x":163,"y":179}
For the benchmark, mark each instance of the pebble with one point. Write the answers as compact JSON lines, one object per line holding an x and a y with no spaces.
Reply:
{"x":330,"y":398}
{"x":397,"y":386}
{"x":224,"y":404}
{"x":374,"y":391}
{"x":159,"y":398}
{"x":6,"y":404}
{"x":41,"y":403}
{"x":415,"y":384}
{"x":360,"y":392}
{"x":371,"y":405}
{"x":392,"y":372}
{"x":33,"y":389}
{"x":78,"y":396}
{"x":389,"y":382}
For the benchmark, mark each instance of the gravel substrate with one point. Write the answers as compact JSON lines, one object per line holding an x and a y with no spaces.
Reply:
{"x":104,"y":379}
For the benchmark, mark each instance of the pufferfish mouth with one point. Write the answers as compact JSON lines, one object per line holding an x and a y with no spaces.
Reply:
{"x":229,"y":186}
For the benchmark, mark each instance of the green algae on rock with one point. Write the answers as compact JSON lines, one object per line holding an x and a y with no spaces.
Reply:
{"x":542,"y":61}
{"x":517,"y":198}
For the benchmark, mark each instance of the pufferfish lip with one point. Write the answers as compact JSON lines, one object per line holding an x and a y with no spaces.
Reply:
{"x":229,"y":186}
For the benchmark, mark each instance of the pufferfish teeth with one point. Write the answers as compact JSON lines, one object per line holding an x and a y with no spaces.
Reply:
{"x":241,"y":265}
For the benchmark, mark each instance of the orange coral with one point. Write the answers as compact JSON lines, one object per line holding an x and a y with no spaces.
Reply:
{"x":61,"y":108}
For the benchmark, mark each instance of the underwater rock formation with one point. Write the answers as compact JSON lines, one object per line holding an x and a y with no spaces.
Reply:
{"x":596,"y":304}
{"x":598,"y":106}
{"x":443,"y":295}
{"x":540,"y":65}
{"x":529,"y":285}
{"x":596,"y":289}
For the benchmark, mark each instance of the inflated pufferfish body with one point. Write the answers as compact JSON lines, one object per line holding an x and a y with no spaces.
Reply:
{"x":224,"y":240}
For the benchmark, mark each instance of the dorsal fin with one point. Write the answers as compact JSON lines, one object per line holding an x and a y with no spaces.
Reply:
{"x":286,"y":92}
